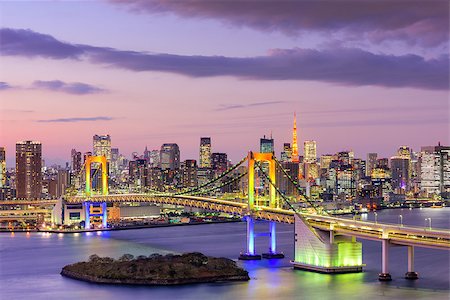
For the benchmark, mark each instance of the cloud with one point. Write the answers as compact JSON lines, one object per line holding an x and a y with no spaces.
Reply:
{"x":345,"y":66}
{"x":4,"y":86}
{"x":224,"y":107}
{"x":415,"y":22}
{"x":79,"y":119}
{"x":76,"y":88}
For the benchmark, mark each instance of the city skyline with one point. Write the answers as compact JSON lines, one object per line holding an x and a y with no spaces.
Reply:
{"x":176,"y":73}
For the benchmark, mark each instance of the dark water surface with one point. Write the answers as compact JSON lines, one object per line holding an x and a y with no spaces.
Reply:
{"x":30,"y":264}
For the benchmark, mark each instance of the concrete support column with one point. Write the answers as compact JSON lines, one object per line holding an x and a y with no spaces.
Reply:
{"x":273,"y":237}
{"x":273,"y":243}
{"x":250,"y":254}
{"x":411,"y":274}
{"x":384,"y":275}
{"x":87,"y":215}
{"x":104,"y":215}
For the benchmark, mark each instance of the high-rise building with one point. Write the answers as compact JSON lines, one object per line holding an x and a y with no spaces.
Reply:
{"x":325,"y":161}
{"x":286,"y":154}
{"x":76,"y":164}
{"x":102,"y":146}
{"x":170,"y":157}
{"x":400,"y":168}
{"x":435,"y":170}
{"x":404,"y":152}
{"x":114,"y":164}
{"x":2,"y":167}
{"x":266,"y":145}
{"x":205,"y":152}
{"x":310,"y":155}
{"x":28,"y":169}
{"x":155,"y":159}
{"x":219,"y":162}
{"x":189,"y":173}
{"x":294,"y":141}
{"x":371,"y":163}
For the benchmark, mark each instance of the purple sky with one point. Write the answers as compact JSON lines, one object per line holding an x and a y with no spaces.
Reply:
{"x":367,"y":76}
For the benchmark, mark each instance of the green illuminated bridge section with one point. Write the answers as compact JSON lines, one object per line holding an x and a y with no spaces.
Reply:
{"x":401,"y":235}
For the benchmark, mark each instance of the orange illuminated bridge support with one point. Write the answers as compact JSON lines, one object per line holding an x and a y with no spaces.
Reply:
{"x":88,"y":205}
{"x":250,"y":254}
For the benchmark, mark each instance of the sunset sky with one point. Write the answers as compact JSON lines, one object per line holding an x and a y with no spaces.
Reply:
{"x":362,"y":75}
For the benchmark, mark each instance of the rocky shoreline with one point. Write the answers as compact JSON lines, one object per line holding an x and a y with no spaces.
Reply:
{"x":156,"y":269}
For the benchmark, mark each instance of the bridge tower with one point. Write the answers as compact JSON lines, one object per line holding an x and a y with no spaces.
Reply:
{"x":95,"y":209}
{"x":273,"y":203}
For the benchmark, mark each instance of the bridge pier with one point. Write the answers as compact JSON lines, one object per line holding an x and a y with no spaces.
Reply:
{"x":250,"y":254}
{"x":411,"y":274}
{"x":88,"y":214}
{"x":273,"y":243}
{"x":324,"y":251}
{"x":384,"y":275}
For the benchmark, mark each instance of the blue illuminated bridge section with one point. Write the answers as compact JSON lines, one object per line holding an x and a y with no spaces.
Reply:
{"x":397,"y":234}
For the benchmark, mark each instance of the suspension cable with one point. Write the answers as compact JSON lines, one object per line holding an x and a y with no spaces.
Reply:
{"x":295,"y":183}
{"x":233,"y":179}
{"x":282,"y":195}
{"x":213,"y":180}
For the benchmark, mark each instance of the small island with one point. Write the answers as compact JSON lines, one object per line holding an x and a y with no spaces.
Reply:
{"x":156,"y":269}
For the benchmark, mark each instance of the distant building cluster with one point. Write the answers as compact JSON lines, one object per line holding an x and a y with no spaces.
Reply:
{"x":328,"y":177}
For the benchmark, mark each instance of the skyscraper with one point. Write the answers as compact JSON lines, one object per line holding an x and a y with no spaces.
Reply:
{"x":294,"y":141}
{"x":205,"y":152}
{"x":170,"y":157}
{"x":28,"y":169}
{"x":2,"y":167}
{"x":400,"y":174}
{"x":75,"y":164}
{"x":219,"y":162}
{"x":310,"y":152}
{"x":189,"y":173}
{"x":286,"y":154}
{"x":266,"y":145}
{"x":102,"y":146}
{"x":371,"y":163}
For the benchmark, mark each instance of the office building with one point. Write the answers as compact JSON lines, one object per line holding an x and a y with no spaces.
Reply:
{"x":295,"y":157}
{"x":371,"y":163}
{"x":170,"y":157}
{"x":2,"y":167}
{"x":400,"y":174}
{"x":189,"y":173}
{"x":286,"y":154}
{"x":28,"y":170}
{"x":266,"y":145}
{"x":219,"y":163}
{"x":102,"y":146}
{"x":310,"y":154}
{"x":205,"y":152}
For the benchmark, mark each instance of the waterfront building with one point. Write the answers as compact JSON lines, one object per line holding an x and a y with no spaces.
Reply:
{"x":205,"y":152}
{"x":371,"y":163}
{"x":2,"y":167}
{"x":435,"y":170}
{"x":28,"y":170}
{"x":170,"y":157}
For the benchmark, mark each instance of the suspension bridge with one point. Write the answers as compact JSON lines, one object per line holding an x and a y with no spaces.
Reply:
{"x":323,"y":243}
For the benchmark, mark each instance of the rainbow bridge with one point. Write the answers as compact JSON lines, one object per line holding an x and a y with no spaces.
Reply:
{"x":323,"y":243}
